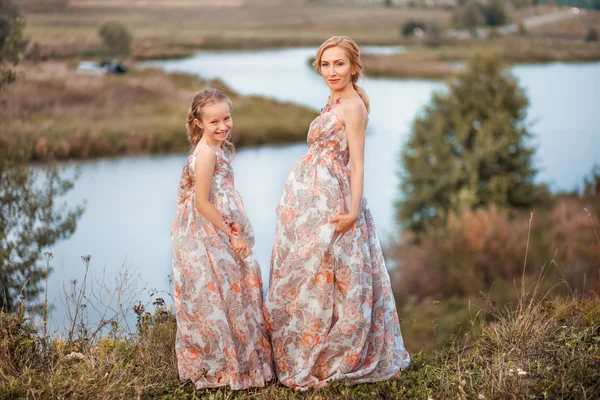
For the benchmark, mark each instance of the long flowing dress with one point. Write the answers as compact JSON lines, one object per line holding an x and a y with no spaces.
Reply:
{"x":330,"y":309}
{"x":221,"y":335}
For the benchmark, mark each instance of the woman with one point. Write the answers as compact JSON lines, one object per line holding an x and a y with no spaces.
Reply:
{"x":330,"y":308}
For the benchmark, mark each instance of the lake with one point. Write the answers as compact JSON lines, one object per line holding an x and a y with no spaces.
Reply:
{"x":131,"y":200}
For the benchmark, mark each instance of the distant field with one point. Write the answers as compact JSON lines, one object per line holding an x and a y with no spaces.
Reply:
{"x":160,"y":24}
{"x":176,"y":28}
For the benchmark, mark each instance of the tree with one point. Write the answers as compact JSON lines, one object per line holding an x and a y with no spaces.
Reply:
{"x":469,"y":16}
{"x":591,"y":35}
{"x":497,"y":12}
{"x":11,"y":28}
{"x":469,"y":149}
{"x":410,"y":27}
{"x":473,"y":13}
{"x":30,"y":217}
{"x":434,"y":34}
{"x":522,"y":3}
{"x":116,"y":37}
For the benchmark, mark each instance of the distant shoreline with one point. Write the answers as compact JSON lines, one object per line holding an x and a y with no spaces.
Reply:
{"x":66,"y":115}
{"x":437,"y":62}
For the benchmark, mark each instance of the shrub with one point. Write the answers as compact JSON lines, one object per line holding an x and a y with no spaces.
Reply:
{"x":469,"y":16}
{"x":486,"y":247}
{"x":591,"y":35}
{"x":116,"y":37}
{"x":408,"y":29}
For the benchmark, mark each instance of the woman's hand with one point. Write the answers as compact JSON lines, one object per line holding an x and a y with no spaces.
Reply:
{"x":344,"y":222}
{"x":239,"y":246}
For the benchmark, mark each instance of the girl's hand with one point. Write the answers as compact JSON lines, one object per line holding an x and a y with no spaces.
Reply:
{"x":236,"y":229}
{"x":344,"y":222}
{"x":239,"y":246}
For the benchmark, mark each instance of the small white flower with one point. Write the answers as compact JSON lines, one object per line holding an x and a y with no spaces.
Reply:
{"x":480,"y":396}
{"x":564,"y":327}
{"x":520,"y":372}
{"x":75,"y":356}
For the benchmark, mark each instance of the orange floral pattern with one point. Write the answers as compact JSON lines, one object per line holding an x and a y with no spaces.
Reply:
{"x":221,"y":335}
{"x":330,"y":308}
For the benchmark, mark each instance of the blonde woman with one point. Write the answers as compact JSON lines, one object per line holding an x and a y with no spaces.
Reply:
{"x":221,"y":335}
{"x":330,"y":308}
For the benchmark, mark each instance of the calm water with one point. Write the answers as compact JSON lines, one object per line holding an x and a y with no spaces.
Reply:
{"x":131,"y":200}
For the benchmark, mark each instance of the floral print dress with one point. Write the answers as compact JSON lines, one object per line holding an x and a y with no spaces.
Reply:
{"x":221,"y":335}
{"x":330,"y":308}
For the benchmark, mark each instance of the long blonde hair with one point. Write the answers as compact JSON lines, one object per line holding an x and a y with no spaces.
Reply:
{"x":202,"y":99}
{"x":353,"y":53}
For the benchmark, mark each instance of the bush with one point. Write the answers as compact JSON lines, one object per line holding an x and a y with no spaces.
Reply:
{"x":469,"y":16}
{"x":434,"y":34}
{"x":116,"y":37}
{"x":11,"y":41}
{"x":474,"y":13}
{"x":487,"y":247}
{"x":592,"y":35}
{"x":408,"y":29}
{"x":5,"y":28}
{"x":497,"y":13}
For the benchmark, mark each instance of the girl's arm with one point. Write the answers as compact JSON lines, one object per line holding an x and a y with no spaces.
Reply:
{"x":354,"y":117}
{"x":206,"y":160}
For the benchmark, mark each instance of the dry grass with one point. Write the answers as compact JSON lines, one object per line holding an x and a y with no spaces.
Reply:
{"x":549,"y":349}
{"x":523,"y":50}
{"x":473,"y":262}
{"x":569,"y":29}
{"x":166,"y":28}
{"x":442,"y":62}
{"x":70,"y":115}
{"x":413,"y":64}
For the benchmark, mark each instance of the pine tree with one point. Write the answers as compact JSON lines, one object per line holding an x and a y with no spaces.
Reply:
{"x":469,"y":149}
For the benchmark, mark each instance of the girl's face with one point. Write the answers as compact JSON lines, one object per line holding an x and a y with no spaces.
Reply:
{"x":216,"y":121}
{"x":336,"y":68}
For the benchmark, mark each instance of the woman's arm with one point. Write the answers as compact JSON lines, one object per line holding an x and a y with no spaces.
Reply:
{"x":354,"y":117}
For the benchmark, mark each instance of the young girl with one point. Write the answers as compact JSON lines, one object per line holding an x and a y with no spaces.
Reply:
{"x":221,"y":336}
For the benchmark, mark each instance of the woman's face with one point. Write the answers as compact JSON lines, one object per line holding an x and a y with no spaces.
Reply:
{"x":336,"y":68}
{"x":216,"y":121}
